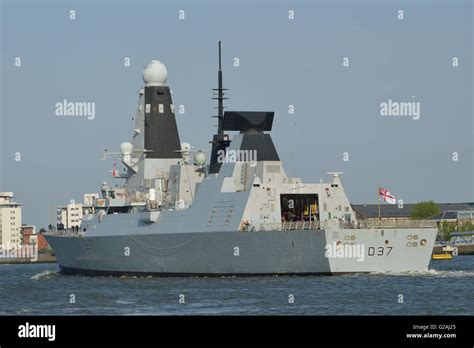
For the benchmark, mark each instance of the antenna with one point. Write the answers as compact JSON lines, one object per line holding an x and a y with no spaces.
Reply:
{"x":220,"y":96}
{"x":220,"y":140}
{"x":335,"y":174}
{"x":220,"y":103}
{"x":220,"y":66}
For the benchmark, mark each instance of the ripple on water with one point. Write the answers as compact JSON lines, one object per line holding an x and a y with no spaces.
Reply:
{"x":429,"y":273}
{"x":48,"y":274}
{"x":45,"y":291}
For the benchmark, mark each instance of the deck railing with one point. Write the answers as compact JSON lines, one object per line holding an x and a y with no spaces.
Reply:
{"x":360,"y":224}
{"x":305,"y":225}
{"x":390,"y":224}
{"x":69,"y":232}
{"x":300,"y":225}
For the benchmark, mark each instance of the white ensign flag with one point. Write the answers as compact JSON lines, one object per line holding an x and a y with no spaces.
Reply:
{"x":387,"y":196}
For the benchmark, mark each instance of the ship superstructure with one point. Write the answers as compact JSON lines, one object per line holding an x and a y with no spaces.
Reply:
{"x":241,"y":214}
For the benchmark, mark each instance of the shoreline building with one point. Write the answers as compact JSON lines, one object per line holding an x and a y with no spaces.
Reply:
{"x":449,"y":212}
{"x":31,"y":237}
{"x":71,"y":214}
{"x":10,"y":220}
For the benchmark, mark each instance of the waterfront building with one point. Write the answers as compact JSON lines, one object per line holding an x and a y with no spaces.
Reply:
{"x":10,"y":220}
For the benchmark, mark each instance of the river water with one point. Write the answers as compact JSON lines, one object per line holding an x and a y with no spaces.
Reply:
{"x":446,"y":288}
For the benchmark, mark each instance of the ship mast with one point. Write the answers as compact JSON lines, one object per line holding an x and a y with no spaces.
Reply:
{"x":220,"y":140}
{"x":220,"y":96}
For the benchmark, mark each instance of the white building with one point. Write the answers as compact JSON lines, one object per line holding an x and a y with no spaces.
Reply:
{"x":10,"y":220}
{"x":71,"y":214}
{"x":89,"y":203}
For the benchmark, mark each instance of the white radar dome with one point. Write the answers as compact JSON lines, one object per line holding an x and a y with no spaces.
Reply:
{"x":185,"y":147}
{"x":126,"y":148}
{"x":155,"y":73}
{"x":200,"y":158}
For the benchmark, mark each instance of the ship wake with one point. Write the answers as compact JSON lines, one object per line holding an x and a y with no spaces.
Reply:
{"x":48,"y":274}
{"x":430,"y":273}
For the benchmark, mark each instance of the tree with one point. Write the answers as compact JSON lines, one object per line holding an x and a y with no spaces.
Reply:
{"x":446,"y":228}
{"x":466,"y":226}
{"x":42,"y":229}
{"x":424,"y":210}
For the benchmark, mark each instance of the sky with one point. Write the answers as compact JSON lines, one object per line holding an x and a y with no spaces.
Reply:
{"x":337,"y":123}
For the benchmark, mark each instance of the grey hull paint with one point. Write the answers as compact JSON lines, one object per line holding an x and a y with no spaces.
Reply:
{"x":271,"y":252}
{"x":95,"y":273}
{"x":259,"y":253}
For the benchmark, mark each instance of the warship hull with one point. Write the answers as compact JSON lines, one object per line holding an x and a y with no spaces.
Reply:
{"x":295,"y":252}
{"x":239,"y":215}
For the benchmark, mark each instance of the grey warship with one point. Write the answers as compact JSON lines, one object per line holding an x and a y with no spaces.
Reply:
{"x":239,"y":214}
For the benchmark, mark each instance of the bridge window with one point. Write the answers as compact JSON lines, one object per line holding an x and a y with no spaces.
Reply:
{"x":299,"y":207}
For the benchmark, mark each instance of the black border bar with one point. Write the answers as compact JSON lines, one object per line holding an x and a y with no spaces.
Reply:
{"x":290,"y":330}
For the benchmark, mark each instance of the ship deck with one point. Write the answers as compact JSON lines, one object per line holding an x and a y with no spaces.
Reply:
{"x":304,"y":225}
